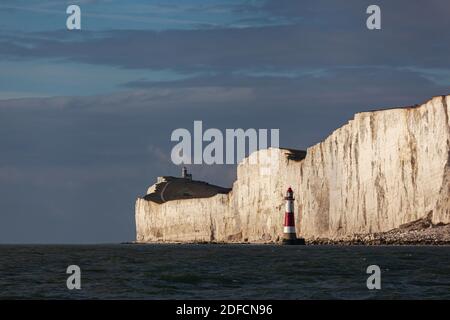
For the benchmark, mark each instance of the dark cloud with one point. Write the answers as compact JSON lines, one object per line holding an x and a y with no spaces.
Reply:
{"x":329,"y":36}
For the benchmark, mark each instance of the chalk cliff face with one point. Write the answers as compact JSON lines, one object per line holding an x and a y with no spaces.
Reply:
{"x":382,"y":169}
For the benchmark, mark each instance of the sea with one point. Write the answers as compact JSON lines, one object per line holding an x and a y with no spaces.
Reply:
{"x":214,"y":271}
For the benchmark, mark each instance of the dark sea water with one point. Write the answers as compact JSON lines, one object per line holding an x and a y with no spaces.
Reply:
{"x":223,"y":272}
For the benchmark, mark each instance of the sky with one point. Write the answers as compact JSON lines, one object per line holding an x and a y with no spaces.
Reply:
{"x":86,"y":115}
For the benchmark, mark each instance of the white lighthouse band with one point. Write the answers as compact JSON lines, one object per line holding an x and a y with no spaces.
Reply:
{"x":289,"y":206}
{"x":289,"y":229}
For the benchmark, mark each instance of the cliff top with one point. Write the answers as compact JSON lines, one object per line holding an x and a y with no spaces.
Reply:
{"x":402,"y":107}
{"x":172,"y":188}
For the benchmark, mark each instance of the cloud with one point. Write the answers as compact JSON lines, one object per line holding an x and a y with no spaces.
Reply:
{"x":339,"y":38}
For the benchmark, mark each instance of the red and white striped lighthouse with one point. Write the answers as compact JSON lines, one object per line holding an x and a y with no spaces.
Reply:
{"x":289,"y":236}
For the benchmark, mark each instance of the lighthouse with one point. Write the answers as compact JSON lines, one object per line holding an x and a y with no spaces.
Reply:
{"x":289,"y":235}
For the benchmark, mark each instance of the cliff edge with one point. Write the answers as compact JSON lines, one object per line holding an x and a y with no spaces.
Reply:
{"x":381,"y":170}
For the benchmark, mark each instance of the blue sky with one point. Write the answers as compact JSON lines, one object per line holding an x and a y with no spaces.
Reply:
{"x":148,"y":15}
{"x":38,"y":20}
{"x":32,"y":23}
{"x":86,"y":116}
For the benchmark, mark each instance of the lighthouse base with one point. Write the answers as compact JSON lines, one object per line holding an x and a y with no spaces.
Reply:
{"x":294,"y":241}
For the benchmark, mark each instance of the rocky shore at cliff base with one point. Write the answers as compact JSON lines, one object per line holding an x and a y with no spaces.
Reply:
{"x":419,"y":232}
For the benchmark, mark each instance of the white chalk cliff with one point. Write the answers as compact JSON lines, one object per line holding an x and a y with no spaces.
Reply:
{"x":382,"y":169}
